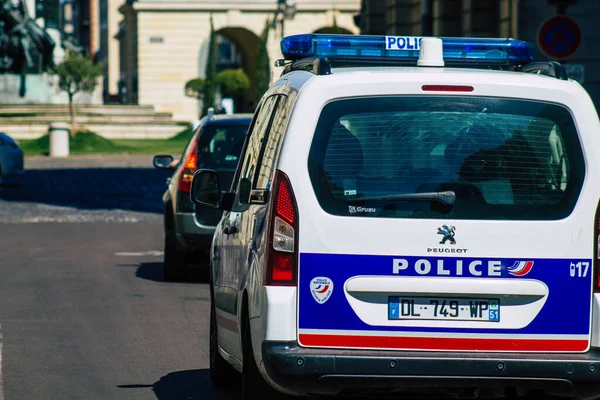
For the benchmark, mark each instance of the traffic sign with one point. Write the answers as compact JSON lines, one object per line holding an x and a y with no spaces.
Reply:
{"x":559,"y":37}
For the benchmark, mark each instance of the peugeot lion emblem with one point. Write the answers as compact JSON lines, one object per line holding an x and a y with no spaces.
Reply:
{"x":448,"y":233}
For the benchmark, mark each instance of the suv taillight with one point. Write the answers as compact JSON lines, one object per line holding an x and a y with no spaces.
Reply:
{"x":597,"y":249}
{"x":189,"y":168}
{"x":282,"y":242}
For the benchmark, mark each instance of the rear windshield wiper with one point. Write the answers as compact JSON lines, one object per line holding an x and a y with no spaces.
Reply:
{"x":447,"y":197}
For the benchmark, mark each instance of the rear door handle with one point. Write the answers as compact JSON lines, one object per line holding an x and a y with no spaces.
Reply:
{"x":253,"y":226}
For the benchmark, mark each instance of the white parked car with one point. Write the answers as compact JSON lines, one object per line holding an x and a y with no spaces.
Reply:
{"x":410,"y":214}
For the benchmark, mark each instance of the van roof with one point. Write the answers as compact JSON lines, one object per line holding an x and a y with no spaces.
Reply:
{"x":436,"y":70}
{"x":378,"y":74}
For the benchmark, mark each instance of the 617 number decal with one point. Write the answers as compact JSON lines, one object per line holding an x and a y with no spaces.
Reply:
{"x":579,"y":269}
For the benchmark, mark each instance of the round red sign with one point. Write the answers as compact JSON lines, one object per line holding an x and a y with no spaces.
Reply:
{"x":559,"y":37}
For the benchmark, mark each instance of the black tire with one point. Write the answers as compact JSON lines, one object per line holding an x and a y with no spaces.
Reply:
{"x":222,"y":374}
{"x":254,"y":385}
{"x":175,"y":261}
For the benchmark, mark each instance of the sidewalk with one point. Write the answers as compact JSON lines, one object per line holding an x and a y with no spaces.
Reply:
{"x":90,"y":161}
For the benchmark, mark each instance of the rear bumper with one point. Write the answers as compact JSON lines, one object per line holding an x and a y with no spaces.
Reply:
{"x":332,"y":371}
{"x":192,"y":235}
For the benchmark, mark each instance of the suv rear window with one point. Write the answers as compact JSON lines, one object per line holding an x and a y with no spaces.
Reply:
{"x":502,"y":158}
{"x":219,"y":146}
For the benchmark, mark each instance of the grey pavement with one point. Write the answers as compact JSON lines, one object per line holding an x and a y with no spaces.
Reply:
{"x":114,"y":188}
{"x":90,"y":161}
{"x":80,"y":321}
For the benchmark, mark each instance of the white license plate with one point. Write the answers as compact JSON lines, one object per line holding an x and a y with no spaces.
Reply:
{"x":444,"y":308}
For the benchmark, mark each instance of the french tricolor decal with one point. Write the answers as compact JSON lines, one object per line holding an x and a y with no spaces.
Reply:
{"x":325,"y":288}
{"x":520,"y":268}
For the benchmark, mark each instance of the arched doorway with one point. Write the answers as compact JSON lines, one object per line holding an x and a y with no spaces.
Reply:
{"x":334,"y":29}
{"x":237,"y":50}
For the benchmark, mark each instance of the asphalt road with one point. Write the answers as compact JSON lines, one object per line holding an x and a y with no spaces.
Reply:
{"x":81,"y":321}
{"x":84,"y":311}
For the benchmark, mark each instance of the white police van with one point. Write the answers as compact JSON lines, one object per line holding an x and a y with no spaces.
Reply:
{"x":411,"y":215}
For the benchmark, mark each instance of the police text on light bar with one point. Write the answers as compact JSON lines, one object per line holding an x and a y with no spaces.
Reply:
{"x":402,"y":42}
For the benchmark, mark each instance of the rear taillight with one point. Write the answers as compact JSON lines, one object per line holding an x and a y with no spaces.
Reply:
{"x":597,"y":249}
{"x":282,"y":254}
{"x":189,"y":168}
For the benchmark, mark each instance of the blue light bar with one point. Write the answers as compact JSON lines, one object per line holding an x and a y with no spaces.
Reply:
{"x":406,"y":49}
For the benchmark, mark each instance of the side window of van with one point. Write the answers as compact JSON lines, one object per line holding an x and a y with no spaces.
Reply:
{"x":273,"y":137}
{"x":248,"y":163}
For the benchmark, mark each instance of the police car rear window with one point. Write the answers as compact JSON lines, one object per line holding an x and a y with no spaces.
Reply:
{"x":446,"y":158}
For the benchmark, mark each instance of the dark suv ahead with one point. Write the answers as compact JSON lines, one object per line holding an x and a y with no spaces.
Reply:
{"x":215,"y":144}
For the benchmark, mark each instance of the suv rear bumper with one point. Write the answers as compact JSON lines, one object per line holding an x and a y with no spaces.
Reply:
{"x":333,"y":371}
{"x":191,"y":234}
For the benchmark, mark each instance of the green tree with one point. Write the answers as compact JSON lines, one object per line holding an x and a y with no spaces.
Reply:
{"x":233,"y":82}
{"x":195,"y":88}
{"x":211,"y":67}
{"x":76,"y":73}
{"x":263,"y":67}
